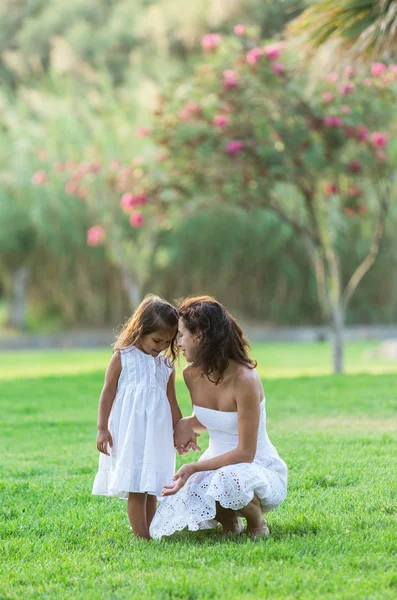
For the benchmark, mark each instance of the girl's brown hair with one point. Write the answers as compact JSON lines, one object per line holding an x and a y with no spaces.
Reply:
{"x":153,"y":314}
{"x":222,"y":338}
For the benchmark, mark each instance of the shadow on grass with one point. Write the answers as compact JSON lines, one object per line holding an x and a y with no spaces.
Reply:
{"x":214,"y":537}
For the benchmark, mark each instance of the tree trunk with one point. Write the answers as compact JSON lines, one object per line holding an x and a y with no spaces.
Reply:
{"x":338,"y":321}
{"x":17,"y":300}
{"x":132,"y":288}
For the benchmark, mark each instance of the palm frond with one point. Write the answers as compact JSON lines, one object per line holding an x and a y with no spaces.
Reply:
{"x":363,"y":27}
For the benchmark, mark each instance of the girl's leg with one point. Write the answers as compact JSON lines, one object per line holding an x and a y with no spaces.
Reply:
{"x":151,"y":507}
{"x":137,"y":514}
{"x":256,"y":524}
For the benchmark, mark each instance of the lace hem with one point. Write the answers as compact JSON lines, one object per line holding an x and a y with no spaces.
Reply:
{"x":194,"y":506}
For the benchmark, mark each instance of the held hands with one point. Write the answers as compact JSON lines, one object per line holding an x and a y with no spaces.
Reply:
{"x":185,"y":438}
{"x":180,"y":479}
{"x":103,"y":439}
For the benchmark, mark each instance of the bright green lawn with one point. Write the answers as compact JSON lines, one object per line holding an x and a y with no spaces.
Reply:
{"x":274,"y":360}
{"x":335,"y":537}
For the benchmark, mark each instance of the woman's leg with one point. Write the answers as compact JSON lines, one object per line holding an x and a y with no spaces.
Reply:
{"x":256,"y":524}
{"x":228,"y":519}
{"x":137,"y":514}
{"x":151,"y":507}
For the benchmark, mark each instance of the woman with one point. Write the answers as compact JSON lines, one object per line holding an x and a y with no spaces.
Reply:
{"x":241,"y":473}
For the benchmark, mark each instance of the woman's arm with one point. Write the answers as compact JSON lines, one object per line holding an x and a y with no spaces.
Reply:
{"x":248,"y":397}
{"x":106,"y":402}
{"x":171,"y":394}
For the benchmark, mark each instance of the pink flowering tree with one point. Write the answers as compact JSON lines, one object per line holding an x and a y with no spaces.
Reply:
{"x":124,"y":219}
{"x":248,"y":130}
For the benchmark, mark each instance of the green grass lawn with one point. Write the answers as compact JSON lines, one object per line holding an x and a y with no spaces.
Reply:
{"x":334,"y":537}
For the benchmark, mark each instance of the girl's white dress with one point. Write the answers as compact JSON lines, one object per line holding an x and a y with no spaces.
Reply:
{"x":143,"y":456}
{"x":234,"y":486}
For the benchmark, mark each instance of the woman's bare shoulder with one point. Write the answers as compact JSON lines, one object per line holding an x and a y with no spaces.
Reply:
{"x":247,"y":382}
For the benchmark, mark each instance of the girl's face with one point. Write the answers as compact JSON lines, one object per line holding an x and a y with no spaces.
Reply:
{"x":188,"y":342}
{"x":156,"y":342}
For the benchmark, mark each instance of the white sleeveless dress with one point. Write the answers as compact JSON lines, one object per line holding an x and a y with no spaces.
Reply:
{"x":143,"y":456}
{"x":234,"y":486}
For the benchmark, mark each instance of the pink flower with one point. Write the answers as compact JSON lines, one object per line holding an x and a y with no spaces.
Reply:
{"x":278,"y":68}
{"x":349,"y":72}
{"x":191,"y":108}
{"x":330,"y":189}
{"x":230,"y":78}
{"x":143,"y":132}
{"x":346,"y":109}
{"x":141,"y":199}
{"x":70,"y":165}
{"x":273,"y":51}
{"x":82,"y":193}
{"x":71,"y":187}
{"x":127,"y":202}
{"x":346,"y":88}
{"x":332,"y":77}
{"x":355,"y":166}
{"x":42,"y":154}
{"x":240,"y":29}
{"x":136,"y":219}
{"x":362,"y":133}
{"x":234,"y":146}
{"x":95,"y":235}
{"x":114,"y":165}
{"x":349,"y":211}
{"x":328,"y":96}
{"x":354,"y":192}
{"x":367,"y":82}
{"x":40,"y":178}
{"x":220,"y":120}
{"x":379,"y":140}
{"x":381,"y":155}
{"x":95,"y":166}
{"x":210,"y":42}
{"x":377,"y":69}
{"x":254,"y":55}
{"x":332,"y":121}
{"x":130,"y":201}
{"x":58,"y":167}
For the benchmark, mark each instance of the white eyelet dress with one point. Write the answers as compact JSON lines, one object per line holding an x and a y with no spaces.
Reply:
{"x":234,"y":486}
{"x":143,"y":456}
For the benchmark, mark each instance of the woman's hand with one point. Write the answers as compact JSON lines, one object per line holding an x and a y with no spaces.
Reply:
{"x":185,"y":437}
{"x":180,"y":479}
{"x":104,"y":438}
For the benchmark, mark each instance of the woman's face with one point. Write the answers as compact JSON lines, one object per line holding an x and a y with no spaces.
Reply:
{"x":156,"y":342}
{"x":187,"y":341}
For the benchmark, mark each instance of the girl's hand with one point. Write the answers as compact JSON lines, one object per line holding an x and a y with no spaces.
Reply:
{"x":185,"y":438}
{"x":180,"y":479}
{"x":104,"y":438}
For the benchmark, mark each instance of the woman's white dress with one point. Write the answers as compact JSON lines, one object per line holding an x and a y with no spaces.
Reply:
{"x":143,"y":456}
{"x":234,"y":486}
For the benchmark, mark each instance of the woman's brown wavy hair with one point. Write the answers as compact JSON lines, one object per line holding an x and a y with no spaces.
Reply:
{"x":222,"y":338}
{"x":153,"y":314}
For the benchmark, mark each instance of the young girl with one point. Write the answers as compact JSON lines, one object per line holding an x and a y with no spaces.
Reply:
{"x":138,"y":411}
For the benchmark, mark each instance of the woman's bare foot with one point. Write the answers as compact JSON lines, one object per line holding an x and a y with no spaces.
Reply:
{"x":233,"y":527}
{"x":231,"y":523}
{"x":261,"y":531}
{"x":256,"y":525}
